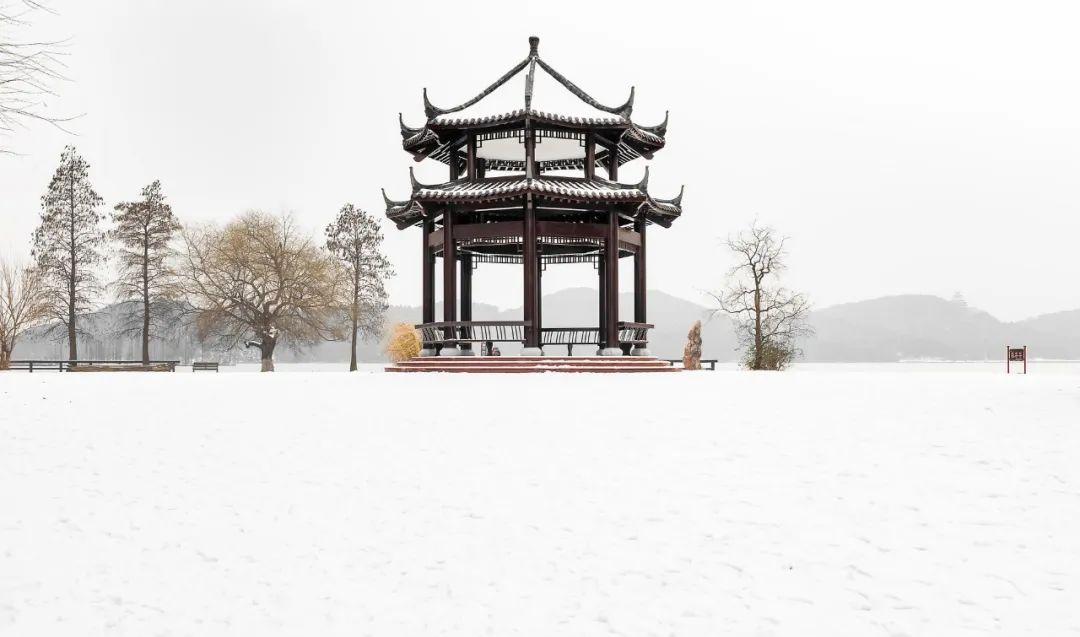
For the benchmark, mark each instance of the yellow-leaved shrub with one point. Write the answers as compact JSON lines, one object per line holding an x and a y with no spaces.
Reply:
{"x":404,"y":343}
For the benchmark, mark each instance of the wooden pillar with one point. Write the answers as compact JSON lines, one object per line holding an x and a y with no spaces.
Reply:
{"x":539,"y":295}
{"x":428,"y":276}
{"x":466,"y":294}
{"x":639,"y":273}
{"x":590,"y":156}
{"x":450,"y":300}
{"x":530,"y":257}
{"x":611,"y":256}
{"x":602,"y":319}
{"x":470,"y":158}
{"x":449,"y":270}
{"x":466,"y":286}
{"x":531,"y":277}
{"x":530,"y":152}
{"x":613,"y":163}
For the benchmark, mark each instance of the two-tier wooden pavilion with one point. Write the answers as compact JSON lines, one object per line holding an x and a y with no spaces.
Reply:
{"x":524,"y":188}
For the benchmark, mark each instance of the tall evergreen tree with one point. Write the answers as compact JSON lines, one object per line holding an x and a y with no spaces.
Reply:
{"x":145,"y":230}
{"x":356,"y":239}
{"x":67,"y":243}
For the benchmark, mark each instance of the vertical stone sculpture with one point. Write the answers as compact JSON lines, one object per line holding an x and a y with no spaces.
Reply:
{"x":692,"y":352}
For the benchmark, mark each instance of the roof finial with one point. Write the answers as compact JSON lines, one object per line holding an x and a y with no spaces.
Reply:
{"x":534,"y":44}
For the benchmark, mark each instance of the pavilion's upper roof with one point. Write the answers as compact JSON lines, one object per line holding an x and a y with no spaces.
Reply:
{"x":568,"y":189}
{"x":441,"y":134}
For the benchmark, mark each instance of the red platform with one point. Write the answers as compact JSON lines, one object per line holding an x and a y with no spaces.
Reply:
{"x":531,"y":364}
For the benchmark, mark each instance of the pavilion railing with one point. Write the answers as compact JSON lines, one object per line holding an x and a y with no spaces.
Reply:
{"x":450,"y":332}
{"x":634,"y":333}
{"x":569,"y":336}
{"x":442,"y":333}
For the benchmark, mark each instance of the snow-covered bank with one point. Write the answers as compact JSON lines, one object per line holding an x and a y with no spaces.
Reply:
{"x":811,"y":503}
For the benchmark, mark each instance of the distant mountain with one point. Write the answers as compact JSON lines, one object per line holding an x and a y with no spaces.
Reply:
{"x":890,"y":328}
{"x":928,"y":327}
{"x":1055,"y":335}
{"x":904,"y":327}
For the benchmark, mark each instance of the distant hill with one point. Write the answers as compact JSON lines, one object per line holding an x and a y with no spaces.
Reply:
{"x":928,"y":327}
{"x":886,"y":329}
{"x":904,"y":327}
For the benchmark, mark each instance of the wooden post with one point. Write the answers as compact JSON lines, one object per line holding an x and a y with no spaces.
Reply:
{"x":529,"y":254}
{"x":602,"y":319}
{"x":611,"y":255}
{"x":640,"y":288}
{"x":639,"y":273}
{"x":449,"y":278}
{"x":539,"y":296}
{"x":529,"y":261}
{"x":530,"y":152}
{"x":590,"y":156}
{"x":470,"y":158}
{"x":466,"y":295}
{"x":428,"y":292}
{"x":466,"y":286}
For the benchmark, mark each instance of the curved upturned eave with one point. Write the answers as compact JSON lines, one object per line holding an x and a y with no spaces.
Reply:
{"x":662,"y":211}
{"x":567,"y":189}
{"x":432,"y":140}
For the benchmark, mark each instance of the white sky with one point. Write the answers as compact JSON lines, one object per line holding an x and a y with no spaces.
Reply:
{"x":916,"y":147}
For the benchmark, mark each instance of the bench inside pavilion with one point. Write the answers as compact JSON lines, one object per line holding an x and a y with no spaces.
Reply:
{"x":534,"y":188}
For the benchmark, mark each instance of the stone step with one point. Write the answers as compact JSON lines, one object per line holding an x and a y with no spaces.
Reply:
{"x":526,"y":369}
{"x":444,"y":362}
{"x":526,"y":364}
{"x":514,"y":360}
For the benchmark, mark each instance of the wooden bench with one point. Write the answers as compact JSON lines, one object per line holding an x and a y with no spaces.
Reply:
{"x":205,"y":366}
{"x":711,"y":362}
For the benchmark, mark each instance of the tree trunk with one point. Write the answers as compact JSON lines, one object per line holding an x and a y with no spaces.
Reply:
{"x":757,"y":326}
{"x":352,"y":359}
{"x":5,"y":357}
{"x":355,"y":310}
{"x":146,"y":302}
{"x":266,"y":350}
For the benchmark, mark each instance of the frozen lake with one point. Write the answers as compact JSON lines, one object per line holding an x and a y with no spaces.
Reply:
{"x":902,"y":499}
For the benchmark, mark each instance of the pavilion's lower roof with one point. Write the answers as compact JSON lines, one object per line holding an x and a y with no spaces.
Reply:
{"x":574,"y":190}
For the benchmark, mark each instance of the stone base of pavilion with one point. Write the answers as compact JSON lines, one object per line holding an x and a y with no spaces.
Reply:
{"x":533,"y":364}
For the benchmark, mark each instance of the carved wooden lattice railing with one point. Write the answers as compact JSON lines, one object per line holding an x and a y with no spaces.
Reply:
{"x":451,"y":332}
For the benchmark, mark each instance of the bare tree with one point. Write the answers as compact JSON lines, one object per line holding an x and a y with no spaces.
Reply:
{"x":22,"y":305}
{"x":27,"y":68}
{"x":355,"y":238}
{"x":67,"y":243}
{"x":769,"y":319}
{"x":259,"y":281}
{"x":146,"y":282}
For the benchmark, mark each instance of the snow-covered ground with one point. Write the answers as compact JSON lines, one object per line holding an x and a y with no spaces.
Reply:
{"x":824,"y":501}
